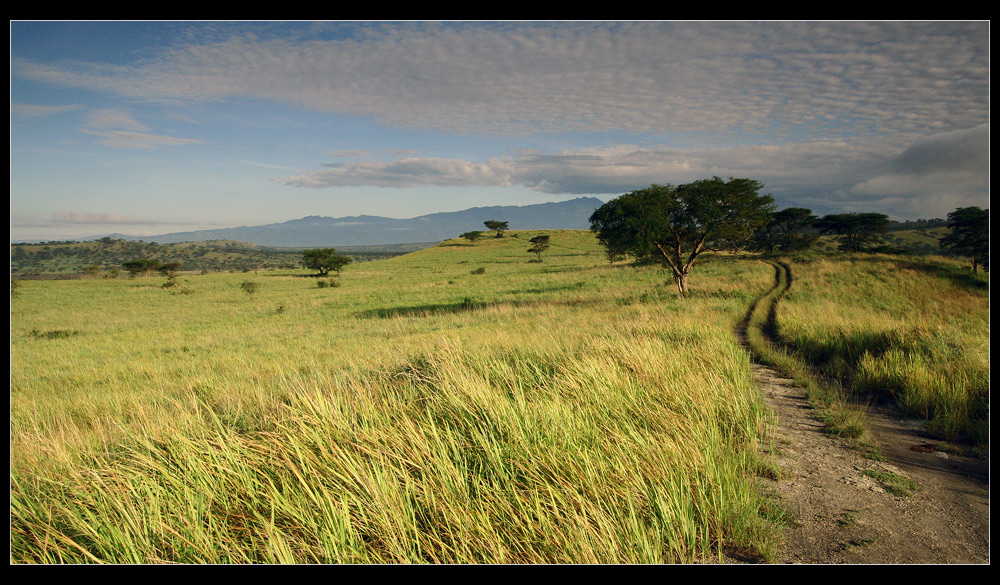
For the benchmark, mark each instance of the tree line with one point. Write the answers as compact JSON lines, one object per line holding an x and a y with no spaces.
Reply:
{"x":674,"y":225}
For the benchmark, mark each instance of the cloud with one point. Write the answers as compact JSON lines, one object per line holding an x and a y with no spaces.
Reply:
{"x":79,"y":217}
{"x":933,"y":176}
{"x":405,"y":172}
{"x":106,"y":118}
{"x":928,"y":179}
{"x":40,"y":111}
{"x":119,"y":129}
{"x":347,"y":153}
{"x":962,"y":151}
{"x":266,"y":165}
{"x":608,"y":170}
{"x":798,"y":78}
{"x":124,"y":139}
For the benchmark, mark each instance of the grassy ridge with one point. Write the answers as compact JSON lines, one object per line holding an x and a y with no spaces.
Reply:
{"x":99,"y":257}
{"x":458,"y":404}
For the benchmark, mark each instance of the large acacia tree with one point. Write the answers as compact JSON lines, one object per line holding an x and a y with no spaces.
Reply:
{"x":675,"y":225}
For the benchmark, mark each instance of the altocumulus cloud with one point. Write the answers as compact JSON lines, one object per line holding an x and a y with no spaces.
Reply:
{"x":78,"y":217}
{"x":806,"y":79}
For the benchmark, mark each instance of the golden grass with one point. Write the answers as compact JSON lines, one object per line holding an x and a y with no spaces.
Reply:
{"x":566,"y":411}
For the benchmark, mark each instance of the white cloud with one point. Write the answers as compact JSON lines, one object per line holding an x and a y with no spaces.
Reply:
{"x":125,"y":139}
{"x":106,"y":118}
{"x":266,"y":165}
{"x":79,"y":217}
{"x":119,"y":129}
{"x":40,"y":111}
{"x":405,"y":172}
{"x":608,"y":170}
{"x":732,"y":78}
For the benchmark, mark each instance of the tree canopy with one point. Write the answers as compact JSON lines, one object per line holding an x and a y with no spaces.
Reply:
{"x":143,"y":266}
{"x":675,"y":225}
{"x":970,"y":235}
{"x":539,"y":244}
{"x":496,"y":226}
{"x":786,"y":230}
{"x":855,"y":230}
{"x":472,"y":236}
{"x":324,"y":260}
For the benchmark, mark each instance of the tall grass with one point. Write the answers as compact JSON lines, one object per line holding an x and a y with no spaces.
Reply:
{"x":567,"y":411}
{"x":913,"y":331}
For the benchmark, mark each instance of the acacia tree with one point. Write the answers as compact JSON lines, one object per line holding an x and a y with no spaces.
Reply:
{"x":786,"y":229}
{"x":792,"y":223}
{"x":143,"y":266}
{"x":855,"y":230}
{"x":472,"y":236}
{"x":539,"y":244}
{"x":324,"y":260}
{"x":675,"y":225}
{"x":970,"y":235}
{"x":496,"y":226}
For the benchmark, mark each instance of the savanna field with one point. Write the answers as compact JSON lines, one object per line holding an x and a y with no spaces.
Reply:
{"x":460,"y":404}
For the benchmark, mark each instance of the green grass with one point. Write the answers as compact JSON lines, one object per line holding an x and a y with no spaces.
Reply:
{"x":425,"y":411}
{"x":913,"y":331}
{"x":893,"y":483}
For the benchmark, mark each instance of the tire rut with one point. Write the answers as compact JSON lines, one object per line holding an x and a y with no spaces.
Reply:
{"x":843,"y":512}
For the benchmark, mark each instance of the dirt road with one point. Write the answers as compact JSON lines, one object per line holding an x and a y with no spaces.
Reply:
{"x":844,"y":513}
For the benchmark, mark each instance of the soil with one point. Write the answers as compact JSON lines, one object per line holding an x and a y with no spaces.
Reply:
{"x":844,"y":515}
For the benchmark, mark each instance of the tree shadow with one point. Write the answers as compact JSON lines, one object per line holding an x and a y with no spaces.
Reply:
{"x":960,"y":277}
{"x":427,"y":310}
{"x":465,"y":305}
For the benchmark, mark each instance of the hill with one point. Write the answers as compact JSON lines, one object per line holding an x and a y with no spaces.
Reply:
{"x":369,"y":230}
{"x":66,"y":259}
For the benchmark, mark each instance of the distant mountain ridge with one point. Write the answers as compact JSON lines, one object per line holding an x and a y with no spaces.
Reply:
{"x":368,"y":230}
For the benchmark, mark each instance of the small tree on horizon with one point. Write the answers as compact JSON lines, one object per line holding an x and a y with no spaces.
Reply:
{"x":324,"y":260}
{"x":472,"y":236}
{"x":496,"y":226}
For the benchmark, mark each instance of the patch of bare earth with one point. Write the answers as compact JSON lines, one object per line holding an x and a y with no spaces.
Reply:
{"x":843,"y":515}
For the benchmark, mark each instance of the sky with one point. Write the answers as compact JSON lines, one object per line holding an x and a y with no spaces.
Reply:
{"x":153,"y":127}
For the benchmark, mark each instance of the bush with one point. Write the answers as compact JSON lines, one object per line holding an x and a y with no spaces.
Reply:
{"x":249,"y":287}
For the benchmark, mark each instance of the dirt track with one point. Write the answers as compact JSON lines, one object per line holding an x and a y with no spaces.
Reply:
{"x":845,"y":516}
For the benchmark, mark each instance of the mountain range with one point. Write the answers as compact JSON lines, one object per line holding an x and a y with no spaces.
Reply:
{"x":368,"y":230}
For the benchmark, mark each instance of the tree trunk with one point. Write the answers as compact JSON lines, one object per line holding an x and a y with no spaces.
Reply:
{"x":682,"y":283}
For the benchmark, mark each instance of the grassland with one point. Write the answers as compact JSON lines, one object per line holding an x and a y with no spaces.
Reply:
{"x":460,"y":404}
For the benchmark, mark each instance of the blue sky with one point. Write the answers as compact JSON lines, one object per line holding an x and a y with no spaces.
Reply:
{"x":148,"y":128}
